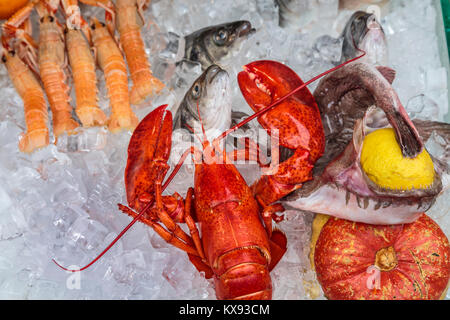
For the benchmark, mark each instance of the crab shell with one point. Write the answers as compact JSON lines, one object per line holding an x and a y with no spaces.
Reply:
{"x":361,"y":261}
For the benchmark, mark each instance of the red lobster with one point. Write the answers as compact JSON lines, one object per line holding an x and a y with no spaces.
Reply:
{"x":237,"y":245}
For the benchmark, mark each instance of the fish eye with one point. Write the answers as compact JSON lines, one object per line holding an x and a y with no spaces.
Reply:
{"x":51,"y":19}
{"x":196,"y":90}
{"x":103,"y":25}
{"x":42,"y":19}
{"x":3,"y":58}
{"x":220,"y":37}
{"x":93,"y":26}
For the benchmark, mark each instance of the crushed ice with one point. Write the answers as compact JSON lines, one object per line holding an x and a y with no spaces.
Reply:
{"x":60,"y":202}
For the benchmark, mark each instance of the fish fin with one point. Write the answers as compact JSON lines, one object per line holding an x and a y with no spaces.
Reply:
{"x":388,"y":73}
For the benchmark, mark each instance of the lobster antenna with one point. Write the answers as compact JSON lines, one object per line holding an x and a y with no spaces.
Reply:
{"x":136,"y":218}
{"x":272,"y":105}
{"x":201,"y":122}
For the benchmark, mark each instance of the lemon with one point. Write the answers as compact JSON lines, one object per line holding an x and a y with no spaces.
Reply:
{"x":384,"y":164}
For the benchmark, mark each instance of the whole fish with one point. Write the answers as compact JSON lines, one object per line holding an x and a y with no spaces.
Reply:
{"x":210,"y":96}
{"x":363,"y":31}
{"x":340,"y":187}
{"x":211,"y":44}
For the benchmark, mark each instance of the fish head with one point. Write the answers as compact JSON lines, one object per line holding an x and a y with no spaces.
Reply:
{"x":348,"y":174}
{"x":364,"y":31}
{"x":355,"y":101}
{"x":210,"y":96}
{"x":221,"y":40}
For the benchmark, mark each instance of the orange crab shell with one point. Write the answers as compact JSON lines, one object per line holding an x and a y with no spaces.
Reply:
{"x":361,"y":261}
{"x":8,"y":8}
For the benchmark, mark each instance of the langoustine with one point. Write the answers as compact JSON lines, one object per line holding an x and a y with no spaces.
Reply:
{"x":52,"y":59}
{"x":82,"y":64}
{"x":129,"y":21}
{"x":35,"y":106}
{"x":111,"y":61}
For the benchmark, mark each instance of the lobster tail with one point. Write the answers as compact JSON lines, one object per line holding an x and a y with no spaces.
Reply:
{"x":243,"y":274}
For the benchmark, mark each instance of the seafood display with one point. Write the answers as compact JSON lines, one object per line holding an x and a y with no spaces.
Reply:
{"x":277,"y":156}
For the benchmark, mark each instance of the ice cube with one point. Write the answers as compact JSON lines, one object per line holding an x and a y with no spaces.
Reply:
{"x":422,"y":107}
{"x":83,"y":140}
{"x":86,"y":233}
{"x":329,"y":48}
{"x":328,"y":8}
{"x":436,"y":79}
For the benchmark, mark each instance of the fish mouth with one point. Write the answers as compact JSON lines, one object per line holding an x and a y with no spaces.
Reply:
{"x":213,"y":72}
{"x":372,"y":22}
{"x":245,"y":29}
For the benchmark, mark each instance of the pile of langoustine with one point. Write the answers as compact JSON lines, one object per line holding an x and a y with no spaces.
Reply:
{"x":39,"y":68}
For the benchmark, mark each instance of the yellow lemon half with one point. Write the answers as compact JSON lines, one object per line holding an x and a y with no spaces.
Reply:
{"x":384,"y":164}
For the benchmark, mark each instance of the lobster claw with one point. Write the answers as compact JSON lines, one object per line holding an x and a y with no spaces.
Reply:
{"x":274,"y":76}
{"x":295,"y":121}
{"x":296,"y":118}
{"x":148,"y":153}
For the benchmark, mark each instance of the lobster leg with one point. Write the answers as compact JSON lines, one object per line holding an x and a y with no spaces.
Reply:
{"x":171,"y":238}
{"x":148,"y":153}
{"x":269,"y":214}
{"x":193,"y":230}
{"x":199,"y":261}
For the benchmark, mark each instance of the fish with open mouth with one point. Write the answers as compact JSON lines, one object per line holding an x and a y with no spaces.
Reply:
{"x":209,"y":45}
{"x":363,"y":31}
{"x":340,"y":187}
{"x":210,"y":96}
